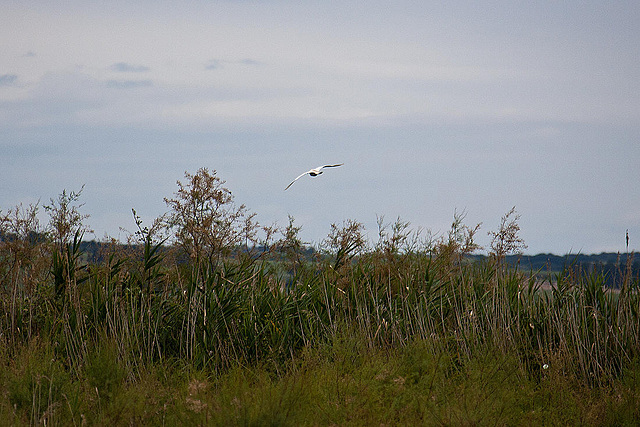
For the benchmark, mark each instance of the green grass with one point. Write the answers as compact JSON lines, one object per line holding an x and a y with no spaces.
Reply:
{"x":411,"y":339}
{"x":399,"y":333}
{"x":344,"y":382}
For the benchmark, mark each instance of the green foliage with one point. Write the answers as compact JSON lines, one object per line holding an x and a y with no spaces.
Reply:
{"x":405,"y":331}
{"x":36,"y":382}
{"x":102,"y":369}
{"x":65,"y":267}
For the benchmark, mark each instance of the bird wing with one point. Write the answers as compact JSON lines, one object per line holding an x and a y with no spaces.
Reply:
{"x":299,"y":176}
{"x":330,"y":166}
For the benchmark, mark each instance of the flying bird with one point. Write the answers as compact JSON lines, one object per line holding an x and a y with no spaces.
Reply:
{"x":313,"y":172}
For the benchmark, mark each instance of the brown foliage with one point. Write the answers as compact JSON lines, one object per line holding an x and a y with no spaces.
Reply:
{"x":205,"y":220}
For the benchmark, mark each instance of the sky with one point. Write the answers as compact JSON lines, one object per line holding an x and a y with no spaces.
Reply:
{"x":435,"y":109}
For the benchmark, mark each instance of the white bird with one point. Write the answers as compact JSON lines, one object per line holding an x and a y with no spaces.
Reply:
{"x":313,"y":172}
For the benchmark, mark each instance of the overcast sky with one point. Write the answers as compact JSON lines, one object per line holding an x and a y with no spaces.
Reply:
{"x":434,"y":108}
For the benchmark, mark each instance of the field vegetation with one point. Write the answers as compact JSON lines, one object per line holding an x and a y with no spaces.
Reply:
{"x":207,"y":317}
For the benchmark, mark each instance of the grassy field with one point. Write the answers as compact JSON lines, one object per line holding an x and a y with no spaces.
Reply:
{"x":208,"y":318}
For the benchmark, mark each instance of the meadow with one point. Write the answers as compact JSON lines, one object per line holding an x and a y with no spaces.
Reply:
{"x":205,"y":317}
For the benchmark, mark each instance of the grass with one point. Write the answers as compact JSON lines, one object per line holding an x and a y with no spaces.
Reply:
{"x":344,"y":382}
{"x":399,"y":333}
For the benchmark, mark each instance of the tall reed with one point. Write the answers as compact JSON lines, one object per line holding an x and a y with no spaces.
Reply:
{"x":156,"y":303}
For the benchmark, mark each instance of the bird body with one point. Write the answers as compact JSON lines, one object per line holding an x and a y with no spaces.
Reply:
{"x":313,"y":172}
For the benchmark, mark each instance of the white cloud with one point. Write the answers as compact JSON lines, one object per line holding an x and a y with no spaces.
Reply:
{"x":128,"y":84}
{"x":123,"y":67}
{"x":418,"y":61}
{"x":214,"y":64}
{"x":7,"y":79}
{"x":457,"y":105}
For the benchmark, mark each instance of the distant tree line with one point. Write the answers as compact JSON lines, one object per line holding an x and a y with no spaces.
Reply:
{"x":613,"y":266}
